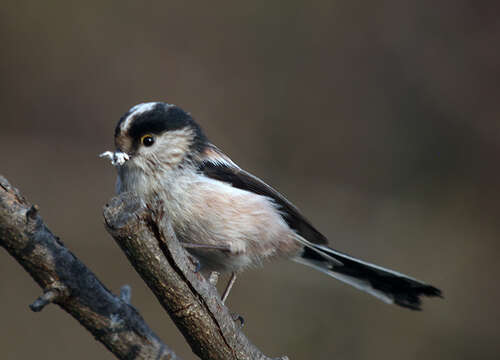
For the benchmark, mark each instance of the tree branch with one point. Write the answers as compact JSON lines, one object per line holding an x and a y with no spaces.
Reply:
{"x":148,"y":240}
{"x":67,"y":282}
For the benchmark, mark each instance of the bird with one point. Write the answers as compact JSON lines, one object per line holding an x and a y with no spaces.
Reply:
{"x":227,"y":218}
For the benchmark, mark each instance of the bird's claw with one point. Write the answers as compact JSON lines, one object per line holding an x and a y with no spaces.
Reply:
{"x":239,"y":318}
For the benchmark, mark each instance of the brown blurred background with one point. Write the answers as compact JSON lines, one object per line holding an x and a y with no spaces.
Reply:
{"x":380,"y":120}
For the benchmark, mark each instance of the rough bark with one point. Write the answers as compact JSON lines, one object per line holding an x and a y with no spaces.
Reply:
{"x":66,"y":281}
{"x":145,"y":235}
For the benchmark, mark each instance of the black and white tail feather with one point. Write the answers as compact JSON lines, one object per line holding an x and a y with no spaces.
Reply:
{"x":387,"y":285}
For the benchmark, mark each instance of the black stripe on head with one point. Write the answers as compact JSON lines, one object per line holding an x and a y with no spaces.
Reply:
{"x":162,"y":117}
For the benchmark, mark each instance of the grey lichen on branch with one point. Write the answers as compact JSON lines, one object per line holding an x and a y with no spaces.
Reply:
{"x":67,"y":282}
{"x":144,"y":233}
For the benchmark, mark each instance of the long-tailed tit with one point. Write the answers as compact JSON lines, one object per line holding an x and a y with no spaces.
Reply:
{"x":230,"y":219}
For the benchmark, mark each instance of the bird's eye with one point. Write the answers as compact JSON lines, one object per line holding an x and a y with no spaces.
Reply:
{"x":147,"y":140}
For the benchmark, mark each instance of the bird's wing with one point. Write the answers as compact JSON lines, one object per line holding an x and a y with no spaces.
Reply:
{"x":216,"y":165}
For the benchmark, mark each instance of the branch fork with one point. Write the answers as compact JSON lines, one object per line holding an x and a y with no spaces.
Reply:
{"x":148,"y":240}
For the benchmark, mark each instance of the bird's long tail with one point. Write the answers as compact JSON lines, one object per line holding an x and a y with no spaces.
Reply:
{"x":388,"y":285}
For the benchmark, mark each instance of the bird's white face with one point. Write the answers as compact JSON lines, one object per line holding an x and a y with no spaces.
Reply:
{"x":155,"y":135}
{"x":152,"y":139}
{"x":166,"y":152}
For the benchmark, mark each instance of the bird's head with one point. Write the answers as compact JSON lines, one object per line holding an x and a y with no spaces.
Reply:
{"x":154,"y":136}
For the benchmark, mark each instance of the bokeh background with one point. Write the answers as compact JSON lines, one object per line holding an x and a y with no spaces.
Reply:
{"x":380,"y":120}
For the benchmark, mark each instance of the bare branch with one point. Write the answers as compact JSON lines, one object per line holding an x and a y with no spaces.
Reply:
{"x":70,"y":284}
{"x":147,"y":238}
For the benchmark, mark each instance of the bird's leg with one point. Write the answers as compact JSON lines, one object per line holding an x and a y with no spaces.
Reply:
{"x":229,"y":286}
{"x":235,"y":316}
{"x":206,"y":246}
{"x":195,"y":261}
{"x":214,"y":275}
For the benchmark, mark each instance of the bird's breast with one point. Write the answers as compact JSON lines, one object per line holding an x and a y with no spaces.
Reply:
{"x":211,"y":212}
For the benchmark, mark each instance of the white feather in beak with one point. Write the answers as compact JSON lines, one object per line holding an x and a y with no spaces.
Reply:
{"x":118,"y":158}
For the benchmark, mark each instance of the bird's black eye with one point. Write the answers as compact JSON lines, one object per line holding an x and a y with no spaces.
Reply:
{"x":147,"y":140}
